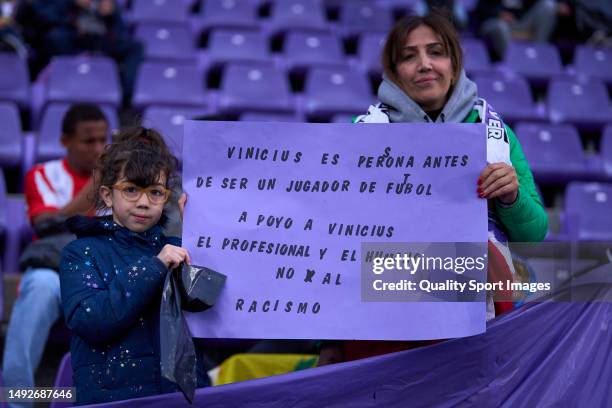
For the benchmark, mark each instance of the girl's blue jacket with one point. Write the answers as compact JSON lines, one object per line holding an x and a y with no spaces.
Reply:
{"x":111,"y":284}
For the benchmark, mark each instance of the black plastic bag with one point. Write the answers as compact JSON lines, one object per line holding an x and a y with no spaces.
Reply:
{"x":195,"y":290}
{"x":200,"y":287}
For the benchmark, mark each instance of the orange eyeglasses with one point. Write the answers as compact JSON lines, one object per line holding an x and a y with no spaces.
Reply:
{"x":157,"y":194}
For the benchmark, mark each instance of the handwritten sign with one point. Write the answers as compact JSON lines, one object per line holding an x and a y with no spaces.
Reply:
{"x":283,"y":208}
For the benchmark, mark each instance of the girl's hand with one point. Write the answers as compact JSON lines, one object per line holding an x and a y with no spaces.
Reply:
{"x":498,"y":180}
{"x":172,"y":256}
{"x":181,"y":204}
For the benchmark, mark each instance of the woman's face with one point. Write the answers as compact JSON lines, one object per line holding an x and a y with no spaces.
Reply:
{"x":425,"y":70}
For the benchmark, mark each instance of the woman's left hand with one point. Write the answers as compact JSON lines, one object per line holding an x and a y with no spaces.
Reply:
{"x":181,"y":204}
{"x":498,"y":180}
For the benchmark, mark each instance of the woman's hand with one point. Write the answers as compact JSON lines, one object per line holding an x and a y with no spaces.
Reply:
{"x":181,"y":204}
{"x":172,"y":256}
{"x":498,"y":180}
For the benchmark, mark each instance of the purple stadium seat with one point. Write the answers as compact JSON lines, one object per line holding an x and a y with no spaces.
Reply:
{"x":49,"y":145}
{"x":269,"y":117}
{"x":606,"y":150}
{"x":585,"y":104}
{"x":537,"y":62}
{"x":169,"y":122}
{"x":509,"y":96}
{"x":587,"y":210}
{"x":360,"y":16}
{"x":166,"y":42}
{"x":293,"y":14}
{"x":330,"y":91}
{"x":369,"y":50}
{"x":226,"y":14}
{"x":159,"y":11}
{"x":554,"y":152}
{"x":63,"y":378}
{"x":84,"y":79}
{"x":177,"y":83}
{"x":64,"y":373}
{"x":10,"y":135}
{"x":305,"y":49}
{"x":231,"y":45}
{"x":594,"y":62}
{"x":475,"y":56}
{"x":254,"y":87}
{"x":16,"y":86}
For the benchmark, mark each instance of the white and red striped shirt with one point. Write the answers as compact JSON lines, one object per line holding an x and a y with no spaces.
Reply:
{"x":50,"y":186}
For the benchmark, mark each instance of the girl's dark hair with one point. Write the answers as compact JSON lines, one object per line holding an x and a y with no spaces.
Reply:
{"x":396,"y":39}
{"x":137,"y":154}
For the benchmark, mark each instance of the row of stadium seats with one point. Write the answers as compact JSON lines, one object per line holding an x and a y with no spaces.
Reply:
{"x":537,"y":62}
{"x":354,"y":16}
{"x":263,"y":86}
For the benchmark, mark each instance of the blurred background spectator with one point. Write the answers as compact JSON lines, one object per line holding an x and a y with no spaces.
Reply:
{"x":502,"y":21}
{"x":594,"y":21}
{"x":454,"y":8}
{"x":10,"y":36}
{"x":70,"y":27}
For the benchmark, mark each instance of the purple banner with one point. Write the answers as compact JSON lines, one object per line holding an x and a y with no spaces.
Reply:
{"x":541,"y":355}
{"x":283,"y":208}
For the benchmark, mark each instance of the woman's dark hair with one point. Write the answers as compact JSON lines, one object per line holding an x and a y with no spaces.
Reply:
{"x":139,"y":155}
{"x":396,"y":39}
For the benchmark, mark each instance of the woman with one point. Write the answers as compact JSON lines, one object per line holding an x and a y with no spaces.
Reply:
{"x":424,"y":81}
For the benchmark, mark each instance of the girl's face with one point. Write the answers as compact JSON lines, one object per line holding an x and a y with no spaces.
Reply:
{"x":425,"y":70}
{"x":136,"y":208}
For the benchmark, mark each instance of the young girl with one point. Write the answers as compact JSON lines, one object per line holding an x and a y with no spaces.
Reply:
{"x":112,"y":275}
